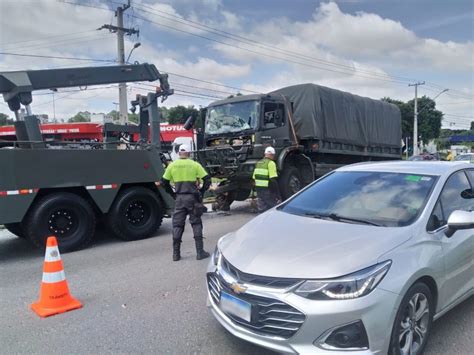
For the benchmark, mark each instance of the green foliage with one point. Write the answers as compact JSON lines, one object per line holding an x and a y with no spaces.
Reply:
{"x":179,"y":114}
{"x":5,"y":120}
{"x":429,"y":118}
{"x":114,"y":114}
{"x":164,"y":113}
{"x":133,"y":117}
{"x":79,"y":117}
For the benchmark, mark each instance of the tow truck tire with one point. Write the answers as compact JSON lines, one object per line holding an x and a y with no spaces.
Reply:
{"x":136,"y":214}
{"x":15,"y":228}
{"x":67,"y":216}
{"x":290,"y":182}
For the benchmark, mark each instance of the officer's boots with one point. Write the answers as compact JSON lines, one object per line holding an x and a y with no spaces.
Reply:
{"x":176,"y":250}
{"x":200,"y":252}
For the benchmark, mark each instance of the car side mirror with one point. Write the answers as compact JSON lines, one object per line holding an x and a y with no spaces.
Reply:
{"x":459,"y":220}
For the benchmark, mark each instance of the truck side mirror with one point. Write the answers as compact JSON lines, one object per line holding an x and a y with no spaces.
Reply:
{"x":459,"y":220}
{"x":189,"y":124}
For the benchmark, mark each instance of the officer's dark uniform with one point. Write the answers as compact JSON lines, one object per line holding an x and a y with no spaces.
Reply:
{"x":266,"y":184}
{"x":185,"y":174}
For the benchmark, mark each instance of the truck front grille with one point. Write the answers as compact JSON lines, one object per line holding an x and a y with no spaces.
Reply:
{"x":270,"y":317}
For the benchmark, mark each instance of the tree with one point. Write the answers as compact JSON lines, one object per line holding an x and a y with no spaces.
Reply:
{"x":114,"y":115}
{"x":179,"y":114}
{"x":133,"y":117}
{"x":5,"y":120}
{"x":79,"y":117}
{"x":429,"y":119}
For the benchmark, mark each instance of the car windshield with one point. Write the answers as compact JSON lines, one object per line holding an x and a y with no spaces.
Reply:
{"x":376,"y":198}
{"x":232,"y":117}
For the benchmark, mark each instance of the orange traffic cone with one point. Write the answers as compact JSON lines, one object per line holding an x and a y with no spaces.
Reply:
{"x":54,"y":294}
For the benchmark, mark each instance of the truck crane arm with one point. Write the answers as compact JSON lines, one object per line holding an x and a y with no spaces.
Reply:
{"x":17,"y":86}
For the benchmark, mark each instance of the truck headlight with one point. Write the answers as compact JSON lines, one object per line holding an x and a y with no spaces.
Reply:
{"x":351,"y":286}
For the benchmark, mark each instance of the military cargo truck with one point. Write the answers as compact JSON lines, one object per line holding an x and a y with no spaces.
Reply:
{"x":314,"y":130}
{"x":55,"y":188}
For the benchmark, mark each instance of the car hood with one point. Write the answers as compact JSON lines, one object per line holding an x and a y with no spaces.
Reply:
{"x":278,"y":244}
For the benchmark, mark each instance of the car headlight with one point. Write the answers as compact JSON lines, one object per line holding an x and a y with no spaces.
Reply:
{"x":216,"y":255}
{"x":351,"y":286}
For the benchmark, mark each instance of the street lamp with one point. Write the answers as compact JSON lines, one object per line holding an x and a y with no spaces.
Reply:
{"x":135,"y":46}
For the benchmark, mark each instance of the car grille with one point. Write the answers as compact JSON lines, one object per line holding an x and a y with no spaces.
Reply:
{"x":270,"y":317}
{"x":257,"y":280}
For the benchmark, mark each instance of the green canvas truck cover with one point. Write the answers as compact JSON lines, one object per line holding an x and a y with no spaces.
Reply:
{"x":332,"y":115}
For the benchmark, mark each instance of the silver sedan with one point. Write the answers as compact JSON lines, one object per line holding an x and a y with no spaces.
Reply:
{"x":361,"y":261}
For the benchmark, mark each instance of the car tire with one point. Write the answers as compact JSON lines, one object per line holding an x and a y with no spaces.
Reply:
{"x":290,"y":182}
{"x":16,"y":229}
{"x":136,"y":214}
{"x":412,"y":325}
{"x":67,"y":216}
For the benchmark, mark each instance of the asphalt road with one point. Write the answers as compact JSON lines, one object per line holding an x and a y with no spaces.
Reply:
{"x":136,"y":300}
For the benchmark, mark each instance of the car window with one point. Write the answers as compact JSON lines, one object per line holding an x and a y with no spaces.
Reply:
{"x":457,"y":194}
{"x":437,"y":218}
{"x":470,"y":175}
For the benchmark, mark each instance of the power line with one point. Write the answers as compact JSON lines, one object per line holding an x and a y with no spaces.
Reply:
{"x":459,"y":116}
{"x":65,"y":42}
{"x":187,"y":92}
{"x":458,"y":103}
{"x":84,"y":5}
{"x":58,"y":57}
{"x":194,"y":95}
{"x":261,"y":45}
{"x":212,"y":82}
{"x":45,"y":38}
{"x":203,"y":88}
{"x":266,"y":54}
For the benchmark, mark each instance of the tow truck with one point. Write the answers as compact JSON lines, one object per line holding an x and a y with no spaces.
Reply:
{"x":62,"y":189}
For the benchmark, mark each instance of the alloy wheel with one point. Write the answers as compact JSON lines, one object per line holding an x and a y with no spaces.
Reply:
{"x":414,"y":325}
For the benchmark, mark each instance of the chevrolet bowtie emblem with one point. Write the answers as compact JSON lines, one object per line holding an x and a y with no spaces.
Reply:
{"x":238,"y":288}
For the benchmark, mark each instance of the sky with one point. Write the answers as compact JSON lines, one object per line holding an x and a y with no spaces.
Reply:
{"x":215,"y":48}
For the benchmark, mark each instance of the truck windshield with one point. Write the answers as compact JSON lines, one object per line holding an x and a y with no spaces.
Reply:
{"x":374,"y":198}
{"x":232,"y":117}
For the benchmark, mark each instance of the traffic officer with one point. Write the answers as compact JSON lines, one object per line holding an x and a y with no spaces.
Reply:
{"x":266,"y":181}
{"x":186,"y":175}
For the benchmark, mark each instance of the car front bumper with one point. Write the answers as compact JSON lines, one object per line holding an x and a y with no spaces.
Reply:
{"x":376,"y":311}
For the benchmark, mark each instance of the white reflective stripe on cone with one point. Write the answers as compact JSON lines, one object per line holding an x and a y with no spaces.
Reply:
{"x":52,"y":254}
{"x":52,"y":277}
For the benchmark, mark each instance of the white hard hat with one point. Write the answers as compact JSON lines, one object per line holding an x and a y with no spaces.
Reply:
{"x":184,"y":148}
{"x":270,"y":150}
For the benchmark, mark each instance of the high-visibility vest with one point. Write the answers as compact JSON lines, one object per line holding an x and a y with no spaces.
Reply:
{"x":265,"y":170}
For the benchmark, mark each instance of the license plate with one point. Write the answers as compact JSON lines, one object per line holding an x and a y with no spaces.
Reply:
{"x":236,"y":307}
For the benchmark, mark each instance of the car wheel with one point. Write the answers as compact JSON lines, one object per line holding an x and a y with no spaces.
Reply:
{"x":413,"y":322}
{"x":69,"y":217}
{"x":136,"y":214}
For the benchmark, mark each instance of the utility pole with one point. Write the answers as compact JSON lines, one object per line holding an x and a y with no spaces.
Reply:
{"x":415,"y":123}
{"x":121,"y":31}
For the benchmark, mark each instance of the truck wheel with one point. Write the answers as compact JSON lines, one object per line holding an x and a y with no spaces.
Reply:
{"x":15,"y":228}
{"x":290,"y":182}
{"x":136,"y":214}
{"x":223,"y":202}
{"x":241,"y":194}
{"x":67,"y":216}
